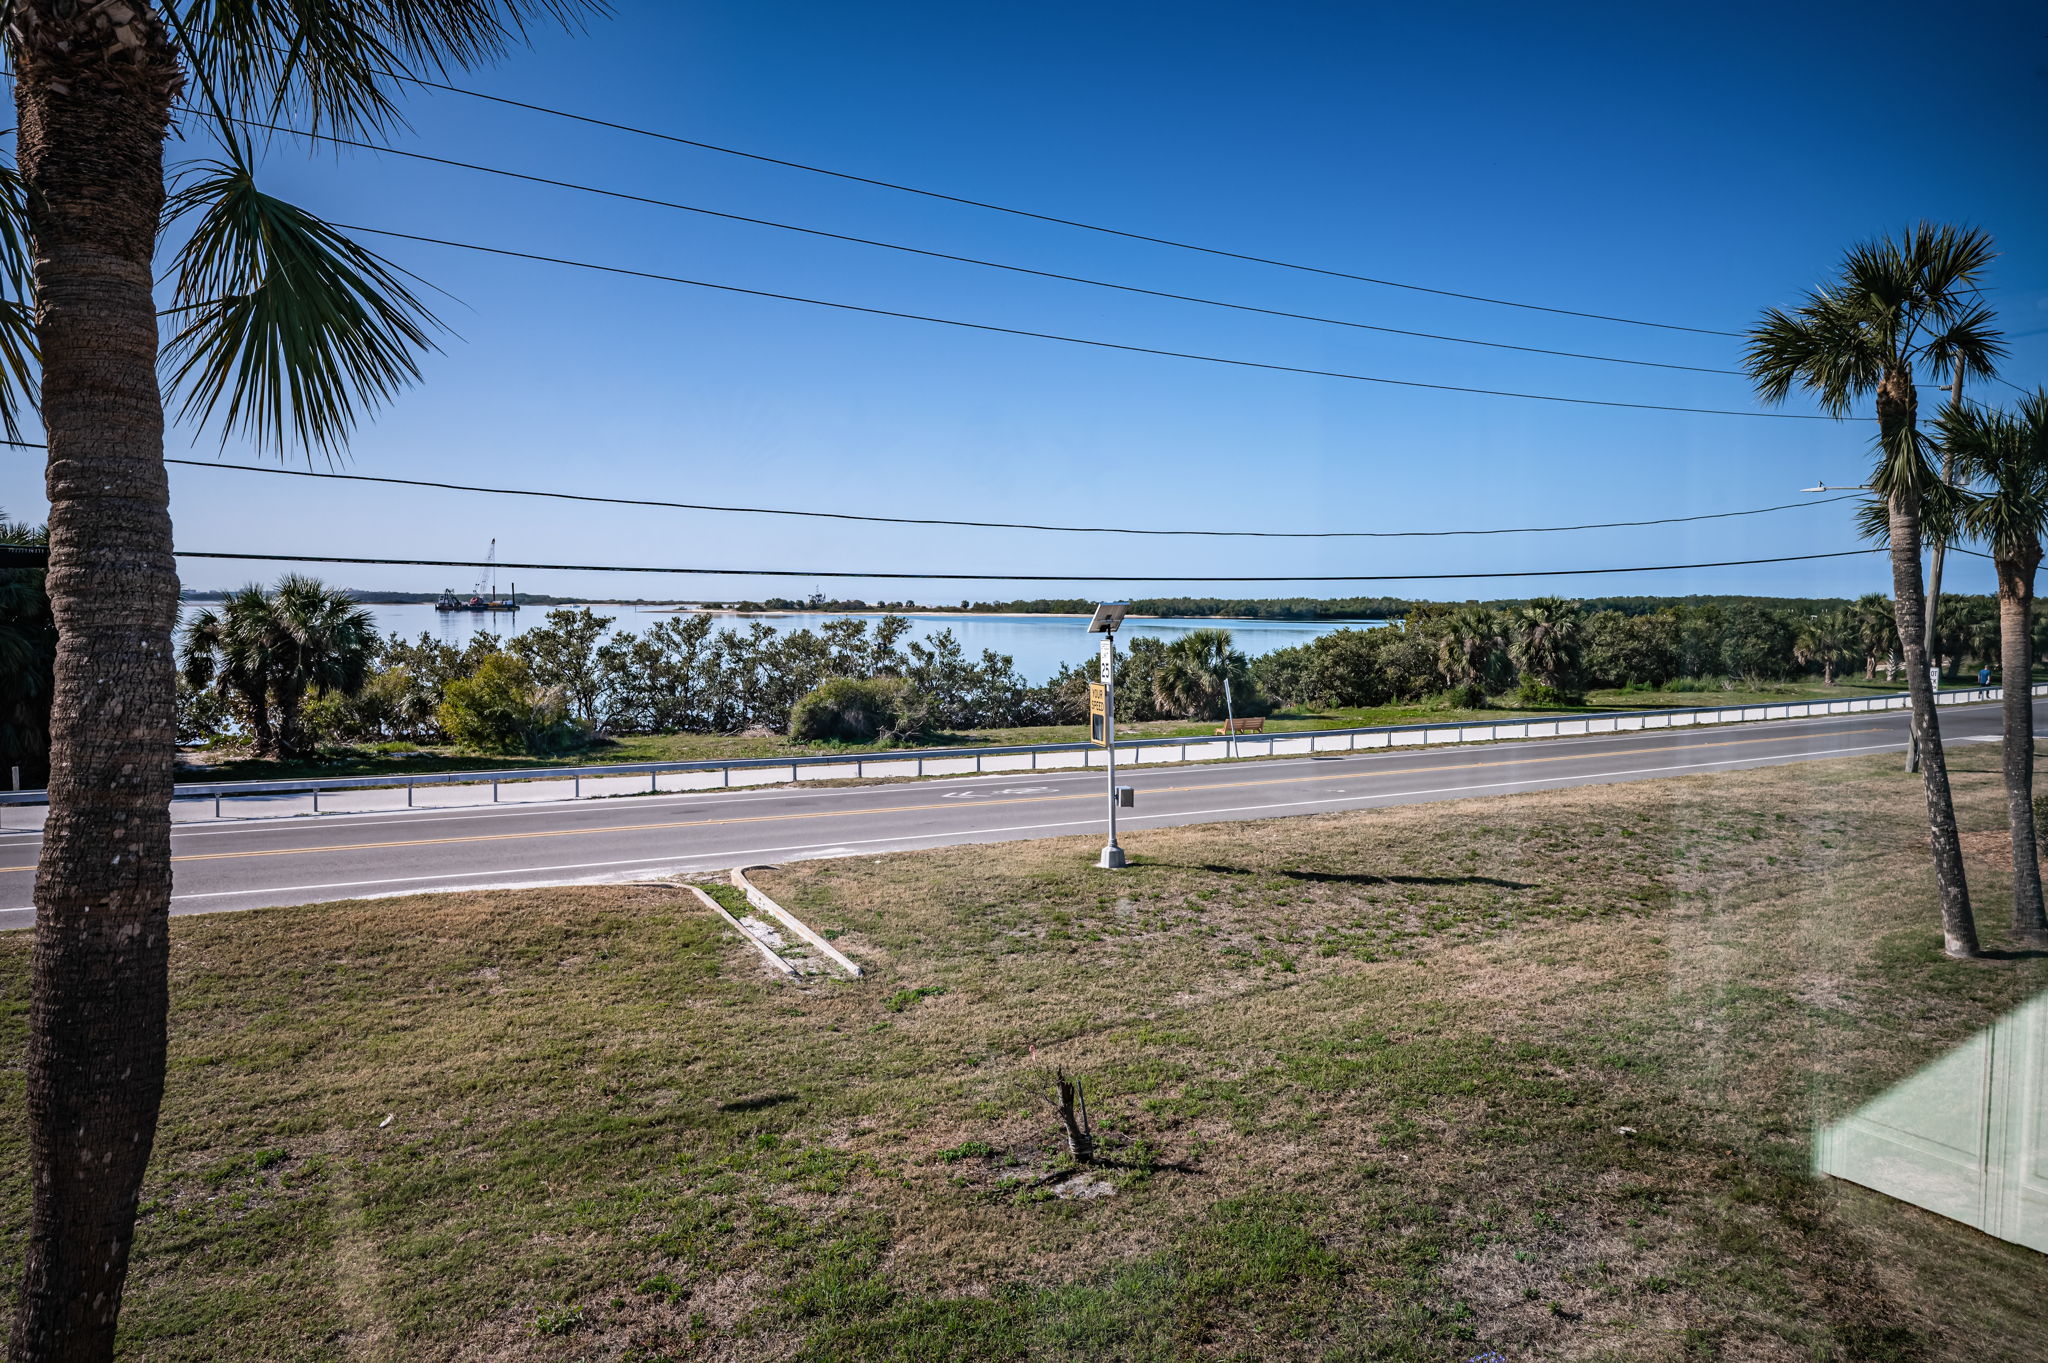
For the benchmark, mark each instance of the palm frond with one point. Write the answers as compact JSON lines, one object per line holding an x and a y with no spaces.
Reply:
{"x":1906,"y":468}
{"x":1835,"y":345}
{"x":1940,"y":521}
{"x":2007,"y":454}
{"x":1874,"y":522}
{"x":338,"y":62}
{"x":1896,"y":302}
{"x":22,"y":532}
{"x":1970,"y":339}
{"x":1943,"y":513}
{"x":1948,"y":262}
{"x":295,"y":327}
{"x":20,"y":360}
{"x":1878,"y":276}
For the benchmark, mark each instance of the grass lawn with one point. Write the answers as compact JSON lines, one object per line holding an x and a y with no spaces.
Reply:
{"x":1362,"y":1081}
{"x":225,"y":765}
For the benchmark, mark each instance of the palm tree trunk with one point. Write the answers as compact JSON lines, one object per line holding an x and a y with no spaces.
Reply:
{"x":2016,"y":638}
{"x":257,"y":698}
{"x":93,"y":90}
{"x":1939,"y":552}
{"x":1896,"y":403}
{"x":1958,"y":925}
{"x":291,"y":738}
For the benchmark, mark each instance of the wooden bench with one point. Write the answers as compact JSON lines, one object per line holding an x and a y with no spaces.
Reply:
{"x":1251,"y":724}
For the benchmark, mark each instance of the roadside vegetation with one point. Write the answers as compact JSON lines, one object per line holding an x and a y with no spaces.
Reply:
{"x":233,"y":761}
{"x":1532,"y":1073}
{"x":569,"y":690}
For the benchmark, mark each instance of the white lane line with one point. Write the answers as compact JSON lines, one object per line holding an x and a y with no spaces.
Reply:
{"x":720,"y":858}
{"x":596,"y":803}
{"x":702,"y":858}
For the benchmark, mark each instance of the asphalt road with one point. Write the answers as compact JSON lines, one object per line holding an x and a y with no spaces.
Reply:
{"x":250,"y":864}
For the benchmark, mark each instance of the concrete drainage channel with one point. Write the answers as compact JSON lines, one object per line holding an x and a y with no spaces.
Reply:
{"x":812,"y":954}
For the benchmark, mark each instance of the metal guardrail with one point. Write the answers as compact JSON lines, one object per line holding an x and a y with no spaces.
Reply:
{"x":1276,"y":744}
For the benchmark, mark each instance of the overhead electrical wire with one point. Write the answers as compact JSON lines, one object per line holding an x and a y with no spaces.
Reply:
{"x":973,"y":260}
{"x":1004,"y":577}
{"x":993,"y":525}
{"x":1042,"y":217}
{"x":973,"y":525}
{"x":1071,"y":340}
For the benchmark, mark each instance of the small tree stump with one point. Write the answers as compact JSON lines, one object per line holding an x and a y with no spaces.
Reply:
{"x":1073,"y":1109}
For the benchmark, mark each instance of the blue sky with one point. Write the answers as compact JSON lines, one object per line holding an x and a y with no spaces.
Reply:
{"x":1687,"y":166}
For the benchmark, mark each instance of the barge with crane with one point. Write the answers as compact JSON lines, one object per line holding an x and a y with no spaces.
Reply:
{"x":485,"y":597}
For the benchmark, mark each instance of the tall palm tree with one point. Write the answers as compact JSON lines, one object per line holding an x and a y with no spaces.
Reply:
{"x":270,"y":650}
{"x":1548,"y":637}
{"x":324,"y":642}
{"x":1826,"y":639}
{"x":1896,"y":308}
{"x":285,"y":330}
{"x":2006,"y":457}
{"x":1472,"y":639}
{"x":1188,"y":682}
{"x":228,"y":648}
{"x":1877,"y":633}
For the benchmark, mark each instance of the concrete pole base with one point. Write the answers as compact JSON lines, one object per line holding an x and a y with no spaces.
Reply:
{"x":1112,"y":857}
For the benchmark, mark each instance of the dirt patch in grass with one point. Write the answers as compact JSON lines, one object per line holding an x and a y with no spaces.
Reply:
{"x":1534,"y":1074}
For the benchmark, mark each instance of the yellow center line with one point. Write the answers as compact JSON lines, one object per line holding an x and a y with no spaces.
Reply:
{"x":952,"y":805}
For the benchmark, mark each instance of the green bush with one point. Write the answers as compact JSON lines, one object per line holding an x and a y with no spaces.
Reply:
{"x":1470,"y":696}
{"x":1534,"y":695}
{"x":499,"y":709}
{"x":203,"y":714}
{"x":849,"y":710}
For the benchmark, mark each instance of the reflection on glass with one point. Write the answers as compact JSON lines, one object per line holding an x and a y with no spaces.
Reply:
{"x":1965,"y":1137}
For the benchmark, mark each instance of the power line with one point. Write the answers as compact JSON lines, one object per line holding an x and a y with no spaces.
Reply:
{"x":989,"y":525}
{"x":1072,"y":340}
{"x":1041,"y":217}
{"x":970,"y":260}
{"x":1003,"y":577}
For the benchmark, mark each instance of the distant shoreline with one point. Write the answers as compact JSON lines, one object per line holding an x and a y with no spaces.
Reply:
{"x":921,"y":610}
{"x":946,"y":612}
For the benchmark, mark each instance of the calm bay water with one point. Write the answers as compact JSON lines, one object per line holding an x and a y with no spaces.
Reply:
{"x":1038,"y":643}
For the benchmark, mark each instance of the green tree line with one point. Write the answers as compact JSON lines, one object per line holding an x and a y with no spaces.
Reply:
{"x":299,"y":667}
{"x":1551,"y":651}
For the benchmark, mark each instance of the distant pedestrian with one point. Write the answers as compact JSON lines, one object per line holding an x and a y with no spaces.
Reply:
{"x":1984,"y":675}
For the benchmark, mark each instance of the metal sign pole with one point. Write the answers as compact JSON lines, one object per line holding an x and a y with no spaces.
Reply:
{"x":1112,"y":855}
{"x":1102,"y":720}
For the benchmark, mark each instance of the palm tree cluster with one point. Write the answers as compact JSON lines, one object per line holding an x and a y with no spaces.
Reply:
{"x":1899,"y":309}
{"x":267,"y":653}
{"x":1547,"y":652}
